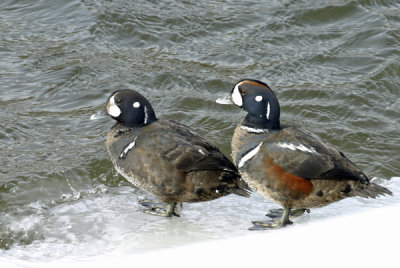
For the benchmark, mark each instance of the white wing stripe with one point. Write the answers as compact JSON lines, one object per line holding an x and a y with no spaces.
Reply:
{"x":293,"y":147}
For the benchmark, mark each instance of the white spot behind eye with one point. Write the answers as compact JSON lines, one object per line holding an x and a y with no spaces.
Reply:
{"x":112,"y":108}
{"x":259,"y":98}
{"x":136,"y":104}
{"x":236,"y":97}
{"x":268,"y":111}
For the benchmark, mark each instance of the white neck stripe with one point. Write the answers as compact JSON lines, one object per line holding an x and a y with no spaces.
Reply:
{"x":146,"y":117}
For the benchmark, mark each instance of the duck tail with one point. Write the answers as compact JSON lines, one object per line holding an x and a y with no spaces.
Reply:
{"x":373,"y":190}
{"x":235,"y":184}
{"x":241,"y":188}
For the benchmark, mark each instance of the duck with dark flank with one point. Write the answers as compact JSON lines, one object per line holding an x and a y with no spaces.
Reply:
{"x":289,"y":165}
{"x":165,"y":158}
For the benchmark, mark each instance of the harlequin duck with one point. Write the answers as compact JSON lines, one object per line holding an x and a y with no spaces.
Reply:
{"x":287,"y":164}
{"x":165,"y":158}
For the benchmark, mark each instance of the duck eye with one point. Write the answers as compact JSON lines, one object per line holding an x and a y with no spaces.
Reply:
{"x":117,"y":100}
{"x":136,"y":104}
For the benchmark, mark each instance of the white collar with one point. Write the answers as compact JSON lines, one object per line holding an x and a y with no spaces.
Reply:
{"x":254,"y":130}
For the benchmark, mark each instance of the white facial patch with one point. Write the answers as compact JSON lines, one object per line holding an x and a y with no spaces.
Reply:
{"x":112,"y":108}
{"x":236,"y":97}
{"x":268,"y":111}
{"x":293,"y":147}
{"x":249,"y":155}
{"x":259,"y":98}
{"x":136,"y":104}
{"x":201,"y":151}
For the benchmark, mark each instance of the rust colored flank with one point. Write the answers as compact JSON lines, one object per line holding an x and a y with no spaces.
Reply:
{"x":294,"y":186}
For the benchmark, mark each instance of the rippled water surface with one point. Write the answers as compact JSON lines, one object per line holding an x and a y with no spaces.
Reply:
{"x":334,"y":65}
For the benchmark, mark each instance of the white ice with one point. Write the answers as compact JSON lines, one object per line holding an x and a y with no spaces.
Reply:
{"x":354,"y":232}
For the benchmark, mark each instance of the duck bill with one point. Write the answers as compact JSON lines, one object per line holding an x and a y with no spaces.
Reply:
{"x":226,"y":100}
{"x":100,"y":114}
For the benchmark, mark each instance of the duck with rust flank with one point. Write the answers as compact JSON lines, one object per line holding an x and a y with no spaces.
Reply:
{"x":165,"y":158}
{"x":287,"y":164}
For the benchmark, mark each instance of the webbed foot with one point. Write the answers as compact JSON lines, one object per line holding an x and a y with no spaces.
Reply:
{"x":274,"y":223}
{"x":160,"y":209}
{"x":294,"y":213}
{"x":267,"y":225}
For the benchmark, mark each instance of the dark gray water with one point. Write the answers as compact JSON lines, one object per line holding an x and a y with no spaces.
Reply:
{"x":334,"y":65}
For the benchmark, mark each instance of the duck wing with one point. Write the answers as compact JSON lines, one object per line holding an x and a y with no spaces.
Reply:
{"x":190,"y":151}
{"x":303,"y":154}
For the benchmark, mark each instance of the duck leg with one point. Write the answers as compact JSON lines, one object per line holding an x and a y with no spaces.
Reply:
{"x":160,"y":209}
{"x":294,"y":213}
{"x":274,"y":223}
